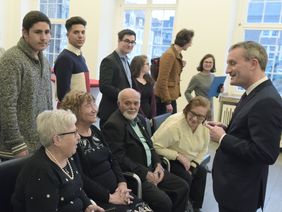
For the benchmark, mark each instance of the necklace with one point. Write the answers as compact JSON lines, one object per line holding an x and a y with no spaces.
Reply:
{"x":71,"y":176}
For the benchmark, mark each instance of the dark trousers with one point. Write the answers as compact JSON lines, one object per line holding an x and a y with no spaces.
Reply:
{"x":197,"y":182}
{"x":170,"y":195}
{"x":161,"y":107}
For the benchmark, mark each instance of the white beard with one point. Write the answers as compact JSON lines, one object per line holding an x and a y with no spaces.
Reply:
{"x":129,"y":116}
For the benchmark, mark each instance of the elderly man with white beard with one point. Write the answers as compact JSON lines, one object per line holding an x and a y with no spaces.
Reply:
{"x":131,"y":144}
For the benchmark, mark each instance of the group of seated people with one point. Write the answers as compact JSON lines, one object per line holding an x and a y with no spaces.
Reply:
{"x":80,"y":168}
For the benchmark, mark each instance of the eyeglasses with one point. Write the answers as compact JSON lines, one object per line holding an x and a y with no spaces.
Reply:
{"x":132,"y":42}
{"x":68,"y":133}
{"x":199,"y":117}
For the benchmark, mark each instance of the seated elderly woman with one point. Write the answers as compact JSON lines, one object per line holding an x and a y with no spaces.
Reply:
{"x":50,"y":181}
{"x":102,"y":176}
{"x":184,"y":141}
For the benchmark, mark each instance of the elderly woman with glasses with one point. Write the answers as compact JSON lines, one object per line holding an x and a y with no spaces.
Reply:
{"x":50,"y":181}
{"x":102,"y":176}
{"x":183,"y":139}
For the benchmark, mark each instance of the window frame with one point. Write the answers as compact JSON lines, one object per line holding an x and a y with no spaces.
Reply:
{"x":243,"y":26}
{"x":55,"y":21}
{"x":148,"y":8}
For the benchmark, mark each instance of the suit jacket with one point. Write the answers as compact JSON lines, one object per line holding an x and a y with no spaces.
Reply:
{"x":168,"y":83}
{"x":126,"y":146}
{"x":240,"y":167}
{"x":112,"y":80}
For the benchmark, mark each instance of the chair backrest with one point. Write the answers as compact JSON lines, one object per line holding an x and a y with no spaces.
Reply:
{"x":158,"y":120}
{"x":9,"y":171}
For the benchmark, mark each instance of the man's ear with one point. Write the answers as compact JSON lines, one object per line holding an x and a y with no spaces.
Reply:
{"x":24,"y":33}
{"x":255,"y":63}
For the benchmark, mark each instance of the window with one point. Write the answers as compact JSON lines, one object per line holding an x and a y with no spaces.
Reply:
{"x":58,"y":12}
{"x":152,"y":21}
{"x":263,"y":25}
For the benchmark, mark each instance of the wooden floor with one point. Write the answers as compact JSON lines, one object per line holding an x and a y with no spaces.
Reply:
{"x":273,"y":200}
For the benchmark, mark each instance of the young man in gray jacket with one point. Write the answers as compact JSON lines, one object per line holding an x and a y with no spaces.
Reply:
{"x":25,"y":87}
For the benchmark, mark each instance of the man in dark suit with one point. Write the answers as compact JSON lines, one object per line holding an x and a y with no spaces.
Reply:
{"x":251,"y":141}
{"x":115,"y":74}
{"x":129,"y":141}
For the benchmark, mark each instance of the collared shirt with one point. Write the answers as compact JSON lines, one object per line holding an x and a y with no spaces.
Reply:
{"x":73,"y":49}
{"x":257,"y":83}
{"x":248,"y":91}
{"x":124,"y":60}
{"x":142,"y":139}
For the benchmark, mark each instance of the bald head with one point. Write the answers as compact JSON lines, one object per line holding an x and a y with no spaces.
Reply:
{"x":129,"y":103}
{"x":128,"y":92}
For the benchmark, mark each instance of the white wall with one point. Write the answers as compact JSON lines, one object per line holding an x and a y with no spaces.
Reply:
{"x":212,"y":21}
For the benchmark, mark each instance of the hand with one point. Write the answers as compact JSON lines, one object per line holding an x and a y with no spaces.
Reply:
{"x":124,"y":192}
{"x":151,"y":177}
{"x":120,"y":199}
{"x":94,"y":208}
{"x":169,"y":108}
{"x":216,"y":132}
{"x":215,"y":123}
{"x":159,"y":173}
{"x":122,"y":188}
{"x":22,"y":154}
{"x":184,"y":161}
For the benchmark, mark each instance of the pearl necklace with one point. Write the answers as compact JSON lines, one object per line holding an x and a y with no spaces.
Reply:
{"x":71,"y":176}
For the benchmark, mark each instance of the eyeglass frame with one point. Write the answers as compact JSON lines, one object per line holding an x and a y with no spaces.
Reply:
{"x":129,"y":42}
{"x":68,"y":133}
{"x":198,"y":116}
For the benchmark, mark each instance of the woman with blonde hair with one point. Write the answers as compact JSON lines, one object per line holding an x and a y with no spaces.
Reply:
{"x":184,"y":140}
{"x":102,"y":176}
{"x":50,"y":181}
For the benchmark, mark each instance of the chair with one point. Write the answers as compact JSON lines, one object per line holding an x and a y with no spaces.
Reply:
{"x":134,"y":182}
{"x":9,"y":171}
{"x":158,"y":120}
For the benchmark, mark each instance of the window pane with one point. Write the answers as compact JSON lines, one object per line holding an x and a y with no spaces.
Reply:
{"x":272,"y":12}
{"x":272,"y":42}
{"x":135,"y":19}
{"x":255,"y":12}
{"x":164,"y":2}
{"x":57,"y":43}
{"x":55,"y":8}
{"x":135,"y":1}
{"x":161,"y":32}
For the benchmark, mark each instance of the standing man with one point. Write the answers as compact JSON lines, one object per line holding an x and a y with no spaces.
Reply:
{"x":251,"y":141}
{"x":126,"y":133}
{"x":70,"y":67}
{"x":167,"y":88}
{"x":25,"y":87}
{"x":115,"y":74}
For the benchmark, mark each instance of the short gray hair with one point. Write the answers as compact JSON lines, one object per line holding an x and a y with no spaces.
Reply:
{"x":253,"y":50}
{"x":53,"y":122}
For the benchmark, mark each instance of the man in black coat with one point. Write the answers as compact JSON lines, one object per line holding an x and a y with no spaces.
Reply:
{"x":251,"y":141}
{"x":129,"y":141}
{"x":115,"y":74}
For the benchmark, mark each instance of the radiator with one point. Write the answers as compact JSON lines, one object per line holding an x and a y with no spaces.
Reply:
{"x":227,"y":111}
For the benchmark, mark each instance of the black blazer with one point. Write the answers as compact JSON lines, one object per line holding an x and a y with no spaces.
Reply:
{"x":112,"y":80}
{"x":240,"y":167}
{"x":126,"y":146}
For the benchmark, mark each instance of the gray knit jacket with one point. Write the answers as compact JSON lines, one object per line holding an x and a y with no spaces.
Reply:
{"x":25,"y":91}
